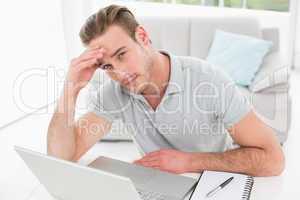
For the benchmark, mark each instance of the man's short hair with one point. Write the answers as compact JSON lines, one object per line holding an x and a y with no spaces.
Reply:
{"x":98,"y":23}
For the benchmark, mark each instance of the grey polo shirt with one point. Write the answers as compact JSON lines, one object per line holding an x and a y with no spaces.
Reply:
{"x":200,"y":102}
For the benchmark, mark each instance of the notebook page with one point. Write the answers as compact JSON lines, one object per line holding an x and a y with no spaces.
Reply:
{"x":210,"y":180}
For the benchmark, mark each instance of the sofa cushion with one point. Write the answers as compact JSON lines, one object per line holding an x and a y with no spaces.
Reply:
{"x":203,"y":30}
{"x":238,"y":55}
{"x":273,"y":76}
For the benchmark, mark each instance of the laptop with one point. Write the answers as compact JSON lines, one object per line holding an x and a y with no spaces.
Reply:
{"x":105,"y":178}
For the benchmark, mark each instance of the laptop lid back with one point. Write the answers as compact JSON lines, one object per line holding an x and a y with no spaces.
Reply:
{"x":67,"y":180}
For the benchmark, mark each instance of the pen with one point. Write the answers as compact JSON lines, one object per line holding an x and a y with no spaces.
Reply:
{"x":214,"y":191}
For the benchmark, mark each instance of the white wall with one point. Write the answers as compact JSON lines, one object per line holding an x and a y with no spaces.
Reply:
{"x":31,"y":37}
{"x":297,"y":42}
{"x":73,"y":12}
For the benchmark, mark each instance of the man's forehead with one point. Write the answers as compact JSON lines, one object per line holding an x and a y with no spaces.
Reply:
{"x":113,"y":38}
{"x":102,"y":43}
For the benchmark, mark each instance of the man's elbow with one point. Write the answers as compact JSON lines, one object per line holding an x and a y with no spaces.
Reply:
{"x":280,"y":164}
{"x":276,"y":164}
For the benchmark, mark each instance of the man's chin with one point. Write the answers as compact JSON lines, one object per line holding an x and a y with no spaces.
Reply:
{"x":132,"y":89}
{"x":137,"y":88}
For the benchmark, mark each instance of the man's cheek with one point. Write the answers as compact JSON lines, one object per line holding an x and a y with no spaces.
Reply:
{"x":113,"y":76}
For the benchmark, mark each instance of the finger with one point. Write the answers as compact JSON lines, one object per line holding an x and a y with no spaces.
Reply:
{"x":150,"y":157}
{"x":92,"y":49}
{"x":90,"y":63}
{"x":147,"y":160}
{"x":153,"y":153}
{"x":78,"y":60}
{"x":88,"y":56}
{"x":87,"y":52}
{"x":148,"y":164}
{"x":169,"y":171}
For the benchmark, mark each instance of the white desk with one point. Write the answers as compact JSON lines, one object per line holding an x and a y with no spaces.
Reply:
{"x":18,"y":183}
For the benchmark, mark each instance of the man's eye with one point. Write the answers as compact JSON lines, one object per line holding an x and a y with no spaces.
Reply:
{"x":120,"y":56}
{"x":107,"y":67}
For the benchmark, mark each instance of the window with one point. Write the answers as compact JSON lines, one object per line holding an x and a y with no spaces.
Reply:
{"x":275,"y":5}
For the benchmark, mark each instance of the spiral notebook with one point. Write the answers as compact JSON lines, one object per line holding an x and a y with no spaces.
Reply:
{"x":238,"y":189}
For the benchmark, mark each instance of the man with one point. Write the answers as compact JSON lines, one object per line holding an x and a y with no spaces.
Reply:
{"x":185,"y":115}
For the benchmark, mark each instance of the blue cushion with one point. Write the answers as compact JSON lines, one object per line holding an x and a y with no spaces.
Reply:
{"x":238,"y":55}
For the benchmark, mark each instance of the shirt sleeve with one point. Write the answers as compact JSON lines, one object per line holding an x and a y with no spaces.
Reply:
{"x":231,"y":104}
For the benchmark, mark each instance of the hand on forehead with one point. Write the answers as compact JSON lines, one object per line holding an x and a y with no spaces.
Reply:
{"x":104,"y":50}
{"x":97,"y":48}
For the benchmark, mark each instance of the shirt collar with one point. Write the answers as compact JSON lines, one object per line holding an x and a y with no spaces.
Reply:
{"x":176,"y":81}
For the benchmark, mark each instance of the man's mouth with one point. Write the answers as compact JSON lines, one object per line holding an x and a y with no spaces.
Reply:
{"x":130,"y":79}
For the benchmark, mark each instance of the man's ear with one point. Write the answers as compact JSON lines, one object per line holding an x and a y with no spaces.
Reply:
{"x":142,"y":36}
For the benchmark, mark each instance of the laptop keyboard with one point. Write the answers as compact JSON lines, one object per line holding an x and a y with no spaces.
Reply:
{"x":149,"y":195}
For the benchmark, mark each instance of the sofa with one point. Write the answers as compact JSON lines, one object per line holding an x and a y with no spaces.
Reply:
{"x":193,"y":36}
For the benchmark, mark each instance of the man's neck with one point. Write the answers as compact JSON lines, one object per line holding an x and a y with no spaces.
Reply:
{"x":160,"y":75}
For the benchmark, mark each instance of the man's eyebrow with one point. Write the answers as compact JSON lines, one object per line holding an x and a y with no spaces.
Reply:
{"x":117,"y":51}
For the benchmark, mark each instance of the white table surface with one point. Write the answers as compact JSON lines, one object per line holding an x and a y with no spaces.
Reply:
{"x":18,"y":183}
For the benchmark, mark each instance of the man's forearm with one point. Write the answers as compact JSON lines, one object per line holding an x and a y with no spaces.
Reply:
{"x":247,"y":160}
{"x":61,"y":141}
